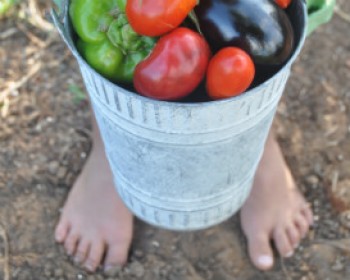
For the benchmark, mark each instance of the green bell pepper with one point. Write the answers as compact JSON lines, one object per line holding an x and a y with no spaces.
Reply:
{"x":103,"y":57}
{"x":106,"y":39}
{"x":91,"y":18}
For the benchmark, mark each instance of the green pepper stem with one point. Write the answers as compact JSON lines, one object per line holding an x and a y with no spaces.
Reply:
{"x":115,"y":12}
{"x":103,"y":27}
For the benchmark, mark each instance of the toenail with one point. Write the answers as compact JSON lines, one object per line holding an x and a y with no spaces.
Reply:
{"x":89,"y":266}
{"x":59,"y":237}
{"x":289,"y":254}
{"x":265,"y":261}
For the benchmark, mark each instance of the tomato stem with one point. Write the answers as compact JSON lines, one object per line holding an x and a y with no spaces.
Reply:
{"x":192,"y":15}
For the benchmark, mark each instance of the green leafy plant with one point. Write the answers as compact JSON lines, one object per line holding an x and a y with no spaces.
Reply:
{"x":78,"y":95}
{"x":5,"y":5}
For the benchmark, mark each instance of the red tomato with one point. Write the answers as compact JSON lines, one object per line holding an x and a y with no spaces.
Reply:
{"x":230,"y":73}
{"x":175,"y":67}
{"x":157,"y":17}
{"x":283,"y":3}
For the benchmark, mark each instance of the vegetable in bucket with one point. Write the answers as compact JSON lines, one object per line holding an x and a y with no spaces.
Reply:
{"x":166,"y":49}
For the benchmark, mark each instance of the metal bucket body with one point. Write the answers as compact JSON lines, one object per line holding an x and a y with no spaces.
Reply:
{"x":183,"y":166}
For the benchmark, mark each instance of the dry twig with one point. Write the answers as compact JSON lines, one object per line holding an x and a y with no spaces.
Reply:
{"x":341,"y":14}
{"x":5,"y":107}
{"x":36,"y":19}
{"x":8,"y":33}
{"x":16,"y":85}
{"x":37,"y":41}
{"x":335,"y":180}
{"x":6,"y":257}
{"x":13,"y":86}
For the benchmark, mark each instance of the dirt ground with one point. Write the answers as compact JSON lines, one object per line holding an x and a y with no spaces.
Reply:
{"x":45,"y":140}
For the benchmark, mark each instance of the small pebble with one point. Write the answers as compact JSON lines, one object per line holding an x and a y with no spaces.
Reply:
{"x":138,"y":254}
{"x":53,"y":167}
{"x":312,"y":180}
{"x":114,"y":271}
{"x":61,"y":173}
{"x":137,"y":269}
{"x":155,"y":243}
{"x":337,"y":266}
{"x":304,"y":267}
{"x":47,"y":271}
{"x":340,"y":157}
{"x":58,"y":272}
{"x":38,"y":127}
{"x":306,"y":255}
{"x":345,"y":219}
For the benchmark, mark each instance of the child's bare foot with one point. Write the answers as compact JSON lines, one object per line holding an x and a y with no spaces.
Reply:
{"x":275,"y":210}
{"x":95,"y":226}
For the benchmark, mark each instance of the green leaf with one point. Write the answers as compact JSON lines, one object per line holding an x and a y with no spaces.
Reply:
{"x":77,"y":93}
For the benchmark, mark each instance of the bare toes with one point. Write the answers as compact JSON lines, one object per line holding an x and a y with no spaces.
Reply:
{"x":94,"y":257}
{"x":116,"y":255}
{"x":302,"y":225}
{"x":294,"y":235}
{"x":260,"y":251}
{"x":70,"y":243}
{"x":284,"y":246}
{"x":307,"y":212}
{"x":81,"y":251}
{"x":61,"y":231}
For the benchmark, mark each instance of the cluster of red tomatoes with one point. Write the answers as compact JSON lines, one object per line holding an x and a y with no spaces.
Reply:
{"x":182,"y":58}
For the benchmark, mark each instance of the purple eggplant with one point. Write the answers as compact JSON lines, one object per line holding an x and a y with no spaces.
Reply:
{"x":259,"y":27}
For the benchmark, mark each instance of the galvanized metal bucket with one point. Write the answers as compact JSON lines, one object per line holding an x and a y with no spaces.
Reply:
{"x":183,"y":166}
